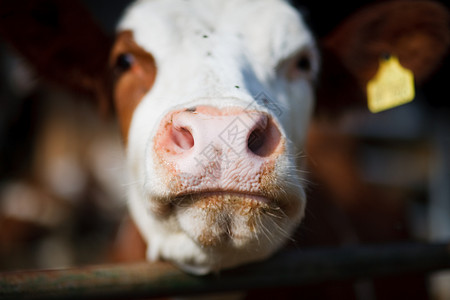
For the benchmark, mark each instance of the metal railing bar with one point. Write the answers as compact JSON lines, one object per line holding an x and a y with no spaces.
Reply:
{"x":288,"y":268}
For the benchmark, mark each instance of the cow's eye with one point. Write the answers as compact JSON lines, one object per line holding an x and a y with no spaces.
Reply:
{"x":303,"y":63}
{"x":300,"y":65}
{"x":124,"y":62}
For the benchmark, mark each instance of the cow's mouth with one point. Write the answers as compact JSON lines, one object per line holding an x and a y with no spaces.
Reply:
{"x":227,"y":218}
{"x":223,"y":195}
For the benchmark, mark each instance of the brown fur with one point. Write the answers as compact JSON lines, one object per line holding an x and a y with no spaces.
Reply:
{"x":131,"y":86}
{"x":129,"y":245}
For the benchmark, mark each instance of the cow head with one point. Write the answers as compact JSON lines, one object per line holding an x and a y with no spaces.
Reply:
{"x":213,"y":110}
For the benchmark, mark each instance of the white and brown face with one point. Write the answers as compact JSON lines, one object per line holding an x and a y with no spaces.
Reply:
{"x":213,"y":99}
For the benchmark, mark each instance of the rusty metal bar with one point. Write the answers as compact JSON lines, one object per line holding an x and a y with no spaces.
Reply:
{"x":289,"y":268}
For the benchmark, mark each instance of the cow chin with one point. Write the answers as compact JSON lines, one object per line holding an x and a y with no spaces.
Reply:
{"x":216,"y":230}
{"x":232,"y":229}
{"x":227,"y":220}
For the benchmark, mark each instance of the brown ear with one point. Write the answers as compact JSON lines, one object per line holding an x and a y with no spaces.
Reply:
{"x":417,"y":32}
{"x":61,"y":41}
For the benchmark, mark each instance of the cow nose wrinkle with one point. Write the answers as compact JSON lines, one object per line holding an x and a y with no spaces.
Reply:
{"x":264,"y":139}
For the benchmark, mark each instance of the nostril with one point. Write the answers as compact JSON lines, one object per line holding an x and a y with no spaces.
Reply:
{"x":263,"y":141}
{"x":182,"y":137}
{"x":256,"y":141}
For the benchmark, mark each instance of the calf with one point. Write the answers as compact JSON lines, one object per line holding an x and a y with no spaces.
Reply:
{"x":210,"y":108}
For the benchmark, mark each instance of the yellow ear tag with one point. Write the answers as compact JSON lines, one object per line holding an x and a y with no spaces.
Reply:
{"x":392,"y":85}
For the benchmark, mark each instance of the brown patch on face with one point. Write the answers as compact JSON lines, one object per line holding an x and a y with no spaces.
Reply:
{"x":134,"y":74}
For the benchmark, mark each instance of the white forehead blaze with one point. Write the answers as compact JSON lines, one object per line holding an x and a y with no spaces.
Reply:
{"x":191,"y":34}
{"x":270,"y":27}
